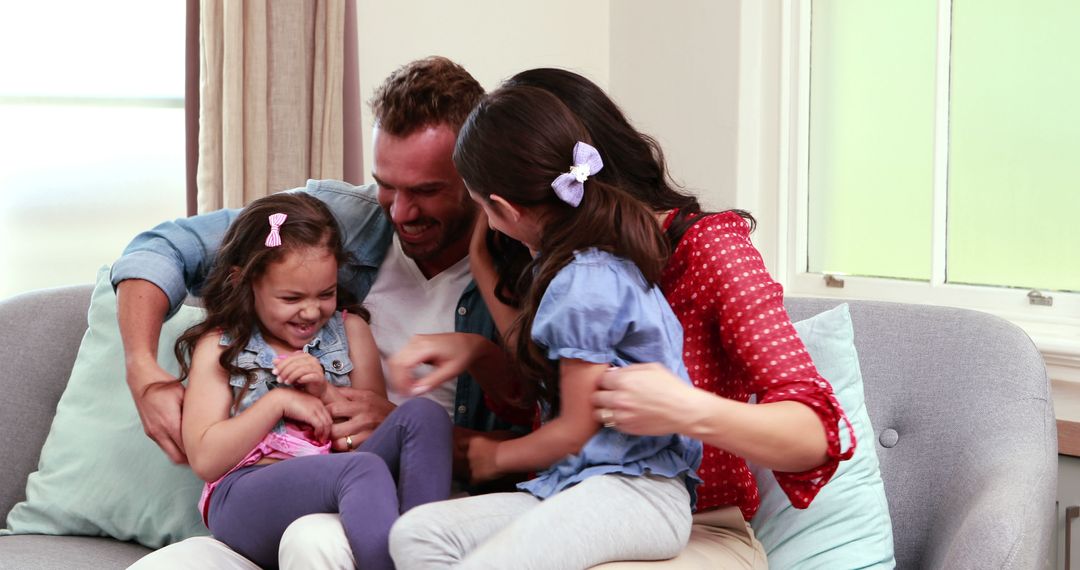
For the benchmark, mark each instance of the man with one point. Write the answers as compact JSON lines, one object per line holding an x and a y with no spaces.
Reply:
{"x":409,"y":238}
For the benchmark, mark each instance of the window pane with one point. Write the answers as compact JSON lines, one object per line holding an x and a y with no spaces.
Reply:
{"x":78,"y":183}
{"x":1014,"y":144}
{"x":93,"y":134}
{"x":872,"y":137}
{"x":101,"y":48}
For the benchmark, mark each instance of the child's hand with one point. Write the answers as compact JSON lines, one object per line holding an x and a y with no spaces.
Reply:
{"x":308,"y":409}
{"x":302,"y":370}
{"x":482,"y":450}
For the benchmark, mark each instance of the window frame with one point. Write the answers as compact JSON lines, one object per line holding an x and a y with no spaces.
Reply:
{"x":1054,"y":329}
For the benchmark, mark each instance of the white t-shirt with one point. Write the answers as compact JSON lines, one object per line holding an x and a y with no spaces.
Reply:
{"x":403,"y":303}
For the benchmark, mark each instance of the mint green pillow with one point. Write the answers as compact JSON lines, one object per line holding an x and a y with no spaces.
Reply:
{"x":848,"y":524}
{"x":99,"y":474}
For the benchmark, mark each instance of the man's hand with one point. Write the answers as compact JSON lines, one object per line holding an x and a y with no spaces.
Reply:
{"x":140,"y":309}
{"x":159,"y":404}
{"x":359,"y":414}
{"x":448,"y":354}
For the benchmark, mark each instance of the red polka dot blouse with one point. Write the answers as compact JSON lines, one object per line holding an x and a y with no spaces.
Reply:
{"x":738,"y":341}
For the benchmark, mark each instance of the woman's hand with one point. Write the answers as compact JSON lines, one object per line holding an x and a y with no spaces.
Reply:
{"x":302,"y":370}
{"x":646,"y":399}
{"x":305,"y":408}
{"x":449,"y":354}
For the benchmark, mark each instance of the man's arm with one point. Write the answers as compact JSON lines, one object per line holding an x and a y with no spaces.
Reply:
{"x":152,"y":278}
{"x":141,"y":308}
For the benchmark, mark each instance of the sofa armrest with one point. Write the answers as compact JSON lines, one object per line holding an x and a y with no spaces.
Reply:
{"x":38,"y":343}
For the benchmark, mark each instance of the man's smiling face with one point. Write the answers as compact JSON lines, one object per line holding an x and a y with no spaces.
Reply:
{"x":423,"y":195}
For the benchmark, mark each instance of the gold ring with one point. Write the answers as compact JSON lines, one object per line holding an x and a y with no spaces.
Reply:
{"x":607,"y":417}
{"x":348,"y":442}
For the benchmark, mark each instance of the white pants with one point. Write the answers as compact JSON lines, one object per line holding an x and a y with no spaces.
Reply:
{"x":604,"y":518}
{"x":311,"y":542}
{"x":720,"y":539}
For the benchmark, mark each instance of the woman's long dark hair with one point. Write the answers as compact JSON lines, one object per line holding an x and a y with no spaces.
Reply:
{"x":243,"y":258}
{"x":514,"y":144}
{"x":633,"y":162}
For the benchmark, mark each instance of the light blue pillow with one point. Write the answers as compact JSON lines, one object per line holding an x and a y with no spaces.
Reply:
{"x":99,"y":475}
{"x":847,"y":525}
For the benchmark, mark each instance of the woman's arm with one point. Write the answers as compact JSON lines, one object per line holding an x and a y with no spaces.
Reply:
{"x":216,"y":442}
{"x":562,"y":436}
{"x":741,"y":310}
{"x":647,"y":399}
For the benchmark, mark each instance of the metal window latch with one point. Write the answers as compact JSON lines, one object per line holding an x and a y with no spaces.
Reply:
{"x":1037,"y":298}
{"x":833,"y":281}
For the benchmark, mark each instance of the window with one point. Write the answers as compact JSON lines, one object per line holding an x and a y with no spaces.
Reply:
{"x":934,"y":150}
{"x":91,"y":103}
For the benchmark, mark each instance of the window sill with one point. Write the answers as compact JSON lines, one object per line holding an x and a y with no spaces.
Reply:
{"x":1054,"y":330}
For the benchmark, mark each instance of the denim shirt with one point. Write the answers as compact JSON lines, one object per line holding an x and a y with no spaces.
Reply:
{"x":330,"y":346}
{"x":176,"y":256}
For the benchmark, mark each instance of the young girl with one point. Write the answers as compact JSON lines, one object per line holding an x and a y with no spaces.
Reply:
{"x":591,"y":303}
{"x":261,"y":368}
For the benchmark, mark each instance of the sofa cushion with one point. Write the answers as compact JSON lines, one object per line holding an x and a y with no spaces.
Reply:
{"x":66,"y":552}
{"x":99,"y":475}
{"x":848,"y":523}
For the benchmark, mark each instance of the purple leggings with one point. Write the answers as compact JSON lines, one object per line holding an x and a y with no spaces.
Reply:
{"x":251,"y":507}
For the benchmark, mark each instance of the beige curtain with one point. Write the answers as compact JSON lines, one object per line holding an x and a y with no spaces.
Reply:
{"x":270,"y":97}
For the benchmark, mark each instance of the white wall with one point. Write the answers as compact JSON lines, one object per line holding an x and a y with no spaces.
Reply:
{"x":674,"y":68}
{"x":699,"y":75}
{"x":493,"y":39}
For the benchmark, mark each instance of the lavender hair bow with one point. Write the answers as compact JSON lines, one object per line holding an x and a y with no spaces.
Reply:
{"x":570,"y":186}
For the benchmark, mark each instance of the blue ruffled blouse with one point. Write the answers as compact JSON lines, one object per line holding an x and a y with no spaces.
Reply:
{"x":600,"y":309}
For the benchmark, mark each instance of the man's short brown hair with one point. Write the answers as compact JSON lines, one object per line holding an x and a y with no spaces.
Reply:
{"x":430,"y":91}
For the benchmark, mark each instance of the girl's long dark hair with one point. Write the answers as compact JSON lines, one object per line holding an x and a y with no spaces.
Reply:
{"x":514,"y":144}
{"x":633,"y":162}
{"x":637,"y":164}
{"x":227,"y":294}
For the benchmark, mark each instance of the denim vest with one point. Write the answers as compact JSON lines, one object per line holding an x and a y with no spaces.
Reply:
{"x":177,"y":255}
{"x":330,"y":346}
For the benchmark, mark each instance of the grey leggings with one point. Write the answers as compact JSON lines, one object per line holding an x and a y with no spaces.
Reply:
{"x":603,"y":519}
{"x":405,"y":463}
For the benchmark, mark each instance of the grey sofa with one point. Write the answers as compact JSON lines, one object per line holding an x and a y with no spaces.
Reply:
{"x":960,"y":401}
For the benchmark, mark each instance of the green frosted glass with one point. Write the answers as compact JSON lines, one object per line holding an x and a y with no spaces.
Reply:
{"x":1014,"y":153}
{"x":872,"y":74}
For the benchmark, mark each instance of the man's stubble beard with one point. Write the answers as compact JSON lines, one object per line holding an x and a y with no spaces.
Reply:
{"x":458,"y":229}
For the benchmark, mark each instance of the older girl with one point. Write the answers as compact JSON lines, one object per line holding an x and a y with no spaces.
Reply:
{"x":591,"y":302}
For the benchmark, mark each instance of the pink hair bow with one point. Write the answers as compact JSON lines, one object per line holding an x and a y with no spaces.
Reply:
{"x":570,"y":186}
{"x":274,"y":238}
